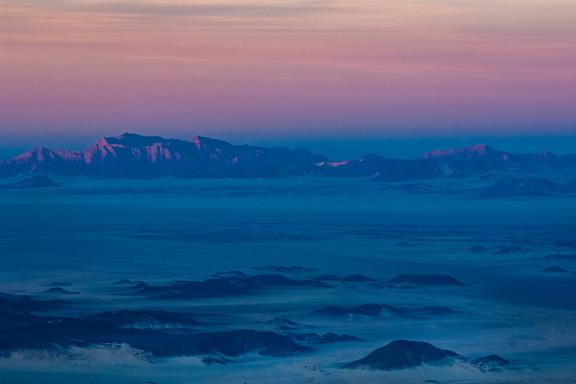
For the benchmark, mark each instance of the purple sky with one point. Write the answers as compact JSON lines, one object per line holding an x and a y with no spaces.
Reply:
{"x":286,"y":70}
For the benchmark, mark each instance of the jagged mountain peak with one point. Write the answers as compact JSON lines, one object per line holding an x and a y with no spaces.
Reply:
{"x":130,"y":139}
{"x":135,"y":155}
{"x":480,"y":148}
{"x":38,"y":154}
{"x":473,"y":151}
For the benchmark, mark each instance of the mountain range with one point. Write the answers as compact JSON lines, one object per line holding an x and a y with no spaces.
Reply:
{"x":136,"y":156}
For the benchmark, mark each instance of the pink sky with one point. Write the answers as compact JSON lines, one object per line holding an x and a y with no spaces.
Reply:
{"x":90,"y":67}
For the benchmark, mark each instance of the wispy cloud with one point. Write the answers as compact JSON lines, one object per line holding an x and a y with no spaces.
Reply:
{"x":180,"y":8}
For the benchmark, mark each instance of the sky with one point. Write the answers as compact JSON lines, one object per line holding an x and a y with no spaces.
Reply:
{"x":286,"y":70}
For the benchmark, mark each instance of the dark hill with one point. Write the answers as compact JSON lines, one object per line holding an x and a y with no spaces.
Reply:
{"x":404,"y":354}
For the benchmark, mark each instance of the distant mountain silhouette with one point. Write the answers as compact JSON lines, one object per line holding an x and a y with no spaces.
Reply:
{"x":138,"y":156}
{"x":132,"y":155}
{"x":383,"y":169}
{"x":481,"y":157}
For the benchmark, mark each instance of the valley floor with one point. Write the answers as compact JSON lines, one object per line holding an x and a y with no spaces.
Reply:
{"x":82,"y":262}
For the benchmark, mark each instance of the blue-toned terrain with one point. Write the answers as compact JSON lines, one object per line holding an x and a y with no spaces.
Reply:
{"x":284,"y":266}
